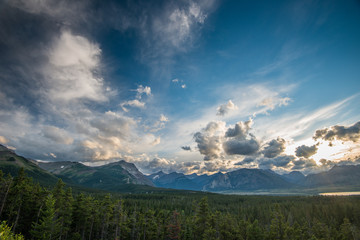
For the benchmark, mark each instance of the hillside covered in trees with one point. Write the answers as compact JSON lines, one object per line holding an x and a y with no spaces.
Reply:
{"x":57,"y":213}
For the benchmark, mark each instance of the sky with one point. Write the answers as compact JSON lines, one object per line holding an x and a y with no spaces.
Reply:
{"x":193,"y":86}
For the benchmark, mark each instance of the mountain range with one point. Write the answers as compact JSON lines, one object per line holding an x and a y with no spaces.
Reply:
{"x":122,"y":176}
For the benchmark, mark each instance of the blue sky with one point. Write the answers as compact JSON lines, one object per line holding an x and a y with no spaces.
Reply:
{"x":189,"y":86}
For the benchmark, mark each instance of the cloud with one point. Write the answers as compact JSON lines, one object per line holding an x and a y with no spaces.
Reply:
{"x":214,"y":140}
{"x":241,"y":147}
{"x":3,"y":140}
{"x":57,"y":135}
{"x":179,"y":81}
{"x":239,"y":141}
{"x":132,"y":103}
{"x":279,"y":161}
{"x":72,"y":70}
{"x":174,"y":28}
{"x":156,"y":141}
{"x":240,"y":130}
{"x":225,"y":108}
{"x":342,"y":133}
{"x":163,"y":118}
{"x":305,"y":151}
{"x":274,"y":148}
{"x":304,"y":164}
{"x":209,"y":141}
{"x":143,"y":90}
{"x":272,"y":102}
{"x":186,"y":148}
{"x":112,"y":124}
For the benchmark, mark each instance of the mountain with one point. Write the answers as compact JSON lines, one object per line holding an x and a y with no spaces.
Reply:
{"x":118,"y":176}
{"x":294,"y":177}
{"x":346,"y":175}
{"x":242,"y":179}
{"x":247,"y":179}
{"x":173,"y":180}
{"x":11,"y":163}
{"x":109,"y":177}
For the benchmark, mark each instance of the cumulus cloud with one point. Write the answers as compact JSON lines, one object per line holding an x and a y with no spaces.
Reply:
{"x":274,"y":148}
{"x":215,"y":140}
{"x":239,"y":141}
{"x":342,"y":133}
{"x":306,"y":151}
{"x":240,"y":129}
{"x":209,"y":141}
{"x":225,"y":108}
{"x":241,"y":147}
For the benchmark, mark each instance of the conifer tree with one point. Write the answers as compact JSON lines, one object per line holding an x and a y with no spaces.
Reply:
{"x":48,"y":227}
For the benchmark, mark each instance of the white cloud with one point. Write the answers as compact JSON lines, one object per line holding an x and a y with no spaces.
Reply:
{"x":225,"y":108}
{"x":132,"y":103}
{"x":175,"y":28}
{"x":163,"y":118}
{"x":72,"y":70}
{"x":143,"y":90}
{"x":272,"y":102}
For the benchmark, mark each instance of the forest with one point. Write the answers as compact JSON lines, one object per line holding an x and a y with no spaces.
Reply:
{"x":30,"y":211}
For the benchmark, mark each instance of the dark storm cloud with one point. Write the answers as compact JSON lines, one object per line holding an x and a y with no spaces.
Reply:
{"x":306,"y":151}
{"x":343,"y":133}
{"x":274,"y":148}
{"x":241,"y":147}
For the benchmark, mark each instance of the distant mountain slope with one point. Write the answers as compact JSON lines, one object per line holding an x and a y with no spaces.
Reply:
{"x":247,"y":179}
{"x":258,"y":179}
{"x":242,"y":179}
{"x":346,"y":175}
{"x":109,"y":176}
{"x":294,"y":177}
{"x":173,"y":180}
{"x":11,"y":163}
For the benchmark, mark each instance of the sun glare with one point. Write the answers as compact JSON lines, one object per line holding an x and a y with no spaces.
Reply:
{"x":325,"y":151}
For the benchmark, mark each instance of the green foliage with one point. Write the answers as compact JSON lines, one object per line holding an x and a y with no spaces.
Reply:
{"x":7,"y":234}
{"x":40,"y":213}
